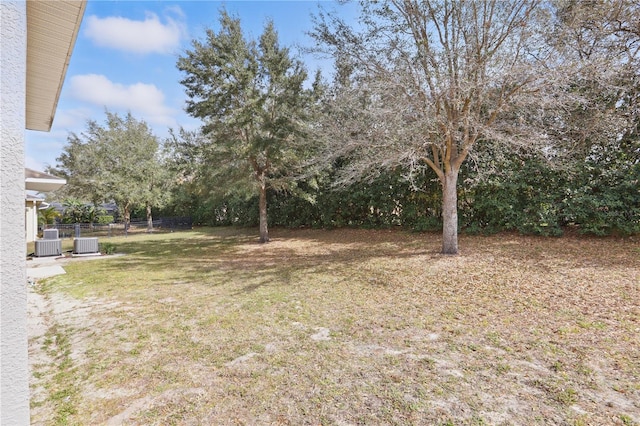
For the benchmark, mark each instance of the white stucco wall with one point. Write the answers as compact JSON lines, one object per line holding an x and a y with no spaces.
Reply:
{"x":14,"y":366}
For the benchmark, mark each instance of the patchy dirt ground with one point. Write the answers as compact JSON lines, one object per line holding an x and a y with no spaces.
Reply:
{"x":341,"y":327}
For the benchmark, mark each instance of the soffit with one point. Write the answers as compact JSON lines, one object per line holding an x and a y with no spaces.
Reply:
{"x":52,"y":29}
{"x":41,"y":182}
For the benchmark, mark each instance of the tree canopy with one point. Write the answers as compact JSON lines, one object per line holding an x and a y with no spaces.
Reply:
{"x":488,"y":116}
{"x":116,"y":161}
{"x":255,"y":110}
{"x":424,"y":83}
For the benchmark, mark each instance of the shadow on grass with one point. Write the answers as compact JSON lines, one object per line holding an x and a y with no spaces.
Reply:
{"x":210,"y":256}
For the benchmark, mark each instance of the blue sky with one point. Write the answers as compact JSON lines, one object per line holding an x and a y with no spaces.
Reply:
{"x":125,"y":60}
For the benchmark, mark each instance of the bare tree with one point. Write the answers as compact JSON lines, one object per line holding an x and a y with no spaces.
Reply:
{"x":602,"y":40}
{"x":428,"y":80}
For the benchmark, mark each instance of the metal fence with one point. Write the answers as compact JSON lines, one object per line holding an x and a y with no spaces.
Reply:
{"x":69,"y":230}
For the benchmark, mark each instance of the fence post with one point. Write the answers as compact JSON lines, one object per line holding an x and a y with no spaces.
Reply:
{"x":77,"y":230}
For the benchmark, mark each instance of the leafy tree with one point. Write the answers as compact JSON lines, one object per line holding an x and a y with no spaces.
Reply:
{"x":251,"y":98}
{"x":90,"y":213}
{"x":78,"y":164}
{"x":185,"y":156}
{"x":47,"y":216}
{"x":156,"y":190}
{"x":116,"y":161}
{"x":73,"y":211}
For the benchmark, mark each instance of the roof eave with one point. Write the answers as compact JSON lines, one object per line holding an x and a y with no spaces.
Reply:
{"x":44,"y":185}
{"x":52,"y":30}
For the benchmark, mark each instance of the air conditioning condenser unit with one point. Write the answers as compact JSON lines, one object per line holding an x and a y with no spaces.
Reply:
{"x":48,"y":248}
{"x":85,"y":245}
{"x":50,"y":234}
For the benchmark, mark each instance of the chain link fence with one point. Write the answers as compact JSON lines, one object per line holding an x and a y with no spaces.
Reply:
{"x":165,"y":224}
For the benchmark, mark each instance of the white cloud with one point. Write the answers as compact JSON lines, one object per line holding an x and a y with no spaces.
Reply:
{"x":148,"y":36}
{"x":145,"y":101}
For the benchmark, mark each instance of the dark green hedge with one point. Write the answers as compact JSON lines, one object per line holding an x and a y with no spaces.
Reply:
{"x":597,"y":195}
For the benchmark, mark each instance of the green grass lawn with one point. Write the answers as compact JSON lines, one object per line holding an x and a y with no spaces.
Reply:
{"x":342,"y":327}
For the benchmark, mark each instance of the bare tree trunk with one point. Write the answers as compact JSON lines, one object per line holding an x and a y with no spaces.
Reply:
{"x":450,"y":212}
{"x":264,"y":232}
{"x":149,"y":219}
{"x":127,"y":218}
